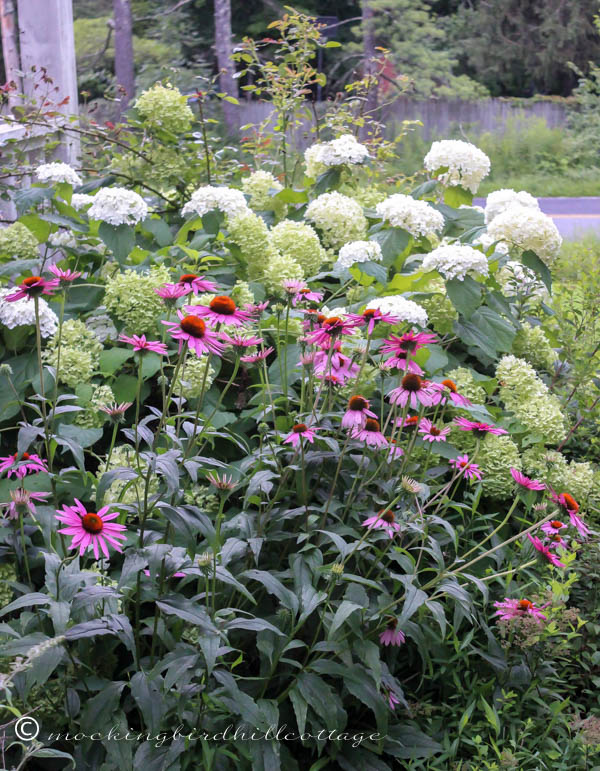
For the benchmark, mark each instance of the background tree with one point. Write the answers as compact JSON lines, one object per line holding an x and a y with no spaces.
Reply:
{"x":223,"y":51}
{"x":10,"y":45}
{"x":124,"y":67}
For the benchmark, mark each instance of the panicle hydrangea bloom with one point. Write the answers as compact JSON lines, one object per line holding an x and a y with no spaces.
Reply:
{"x":552,"y":467}
{"x":465,"y":164}
{"x":251,"y":234}
{"x":259,"y":186}
{"x":165,"y":107}
{"x":497,"y":455}
{"x":527,"y":229}
{"x":125,"y":490}
{"x":282,"y":267}
{"x":299,"y":242}
{"x":531,"y":344}
{"x":207,"y":198}
{"x":242,"y":295}
{"x":359,"y":251}
{"x":314,"y":166}
{"x":80,"y":350}
{"x":368,"y":196}
{"x":80,"y":200}
{"x":131,"y":298}
{"x":405,"y":310}
{"x":500,"y":200}
{"x":456,"y":261}
{"x":191,"y":377}
{"x":345,"y":150}
{"x":19,"y":242}
{"x":22,"y":313}
{"x":58,"y":172}
{"x":339,"y":219}
{"x":93,"y":416}
{"x":118,"y":206}
{"x":517,"y":279}
{"x":439,"y":307}
{"x":417,"y":217}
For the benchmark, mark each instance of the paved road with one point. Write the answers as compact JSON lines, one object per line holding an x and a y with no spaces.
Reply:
{"x":574,"y":217}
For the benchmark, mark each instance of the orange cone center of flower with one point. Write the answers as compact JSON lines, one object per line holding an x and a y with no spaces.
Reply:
{"x":321,"y":317}
{"x":368,"y":314}
{"x":556,"y":537}
{"x":357,"y":403}
{"x":331,"y":321}
{"x":387,"y":516}
{"x":450,"y":384}
{"x":411,"y":382}
{"x":193,"y":326}
{"x":434,"y":431}
{"x":92,"y":523}
{"x":32,"y":281}
{"x":408,"y":345}
{"x":187,"y":278}
{"x":223,"y":305}
{"x":372,"y":425}
{"x":556,"y":523}
{"x":299,"y":428}
{"x":411,"y":422}
{"x":304,"y":291}
{"x":571,"y":503}
{"x":525,"y":604}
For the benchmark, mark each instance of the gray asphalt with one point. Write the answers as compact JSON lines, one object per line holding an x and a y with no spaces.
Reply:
{"x":574,"y":217}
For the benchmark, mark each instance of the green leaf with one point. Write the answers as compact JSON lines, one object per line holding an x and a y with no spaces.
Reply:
{"x":501,"y":331}
{"x":150,"y":364}
{"x":287,"y":195}
{"x":344,"y":610}
{"x":465,"y":295}
{"x":84,"y":437}
{"x":25,"y":199}
{"x":329,"y":180}
{"x":274,"y":586}
{"x":111,"y":359}
{"x":456,"y":196}
{"x":188,"y":610}
{"x":35,"y":598}
{"x":491,"y":715}
{"x":393,"y":242}
{"x":125,"y":388}
{"x":531,"y":260}
{"x":211,"y":221}
{"x":120,"y":239}
{"x":412,"y":602}
{"x":39,"y":228}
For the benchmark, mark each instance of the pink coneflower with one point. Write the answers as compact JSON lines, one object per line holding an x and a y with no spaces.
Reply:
{"x":545,"y":551}
{"x":312,"y":319}
{"x":408,"y":423}
{"x":222,"y":482}
{"x":91,"y":529}
{"x":220,"y":310}
{"x":553,"y":527}
{"x":34,"y":286}
{"x":570,"y":505}
{"x":523,"y":481}
{"x":412,"y":391}
{"x":384,"y":520}
{"x":372,"y":316}
{"x":241,"y":342}
{"x":196,"y":284}
{"x":302,"y":293}
{"x":509,"y":609}
{"x":447,"y":390}
{"x":392,"y":635}
{"x":300,"y":431}
{"x":341,"y":367}
{"x":140,"y":343}
{"x":431,"y":433}
{"x":395,"y":451}
{"x":64,"y":276}
{"x":255,"y":309}
{"x":22,"y":503}
{"x":480,"y":429}
{"x":194,"y":331}
{"x":116,"y":412}
{"x":252,"y":358}
{"x":170,"y":293}
{"x":27,"y":464}
{"x":468,"y":469}
{"x":293,"y":285}
{"x":370,"y":433}
{"x":393,"y":700}
{"x":331,"y":329}
{"x":402,"y":346}
{"x":357,"y":412}
{"x":557,"y":542}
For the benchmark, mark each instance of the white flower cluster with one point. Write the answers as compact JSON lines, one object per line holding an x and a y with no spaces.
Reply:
{"x":79,"y":200}
{"x":527,"y":229}
{"x":515,"y":278}
{"x":417,"y":217}
{"x":231,"y":202}
{"x":339,"y":218}
{"x":456,"y":261}
{"x":337,"y":152}
{"x":359,"y":251}
{"x":466,"y":164}
{"x":118,"y":206}
{"x":397,"y":305}
{"x":62,"y":238}
{"x":500,"y":200}
{"x":486,"y":241}
{"x":22,"y":313}
{"x":57,"y":172}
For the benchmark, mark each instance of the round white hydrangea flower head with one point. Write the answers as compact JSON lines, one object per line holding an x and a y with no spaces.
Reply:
{"x":300,"y":242}
{"x":339,"y":218}
{"x":397,"y":305}
{"x":455,"y":261}
{"x":359,"y":251}
{"x":417,"y":217}
{"x":515,"y":278}
{"x":21,"y":313}
{"x":486,"y":241}
{"x":207,"y":198}
{"x":527,"y":229}
{"x":118,"y":206}
{"x":165,"y":107}
{"x":466,"y":164}
{"x":314,"y":167}
{"x":62,"y":238}
{"x":344,"y":150}
{"x":258,"y":185}
{"x":57,"y":173}
{"x":81,"y":200}
{"x":500,"y":200}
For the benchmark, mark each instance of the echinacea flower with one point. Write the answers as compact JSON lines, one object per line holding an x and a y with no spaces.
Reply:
{"x":468,"y":469}
{"x":479,"y":429}
{"x":403,"y":346}
{"x":341,"y":367}
{"x":140,"y":343}
{"x":26,"y":464}
{"x":222,"y":482}
{"x":392,"y":635}
{"x":170,"y":293}
{"x":553,"y":527}
{"x":91,"y":529}
{"x":241,"y":342}
{"x":193,"y":331}
{"x":395,"y":451}
{"x":301,"y":292}
{"x":116,"y":412}
{"x":393,"y":700}
{"x":431,"y":433}
{"x":220,"y":310}
{"x":447,"y":390}
{"x":330,"y":330}
{"x":196,"y":284}
{"x":410,"y":422}
{"x":557,"y":542}
{"x":357,"y":412}
{"x":370,"y":433}
{"x":545,"y":551}
{"x":22,"y":502}
{"x":523,"y":481}
{"x":64,"y":276}
{"x":252,"y":358}
{"x":372,"y":316}
{"x":509,"y":609}
{"x":34,"y":286}
{"x":384,"y":520}
{"x":413,"y":391}
{"x":570,"y":505}
{"x":300,"y":431}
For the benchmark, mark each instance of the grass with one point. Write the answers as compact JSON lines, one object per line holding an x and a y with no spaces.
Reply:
{"x":572,"y":183}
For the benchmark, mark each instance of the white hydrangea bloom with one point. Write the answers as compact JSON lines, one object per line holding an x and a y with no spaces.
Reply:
{"x":62,"y":238}
{"x":260,"y":180}
{"x":339,"y":218}
{"x":527,"y":229}
{"x":359,"y":251}
{"x":417,"y":217}
{"x":22,"y":313}
{"x":397,"y":305}
{"x":456,"y":261}
{"x":118,"y":206}
{"x":515,"y":278}
{"x":467,"y":165}
{"x":314,"y":167}
{"x":343,"y":150}
{"x":57,"y":172}
{"x":231,"y":202}
{"x":79,"y":200}
{"x":486,"y":241}
{"x":500,"y":200}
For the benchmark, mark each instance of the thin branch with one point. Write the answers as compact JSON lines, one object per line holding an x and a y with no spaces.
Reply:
{"x":158,"y":15}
